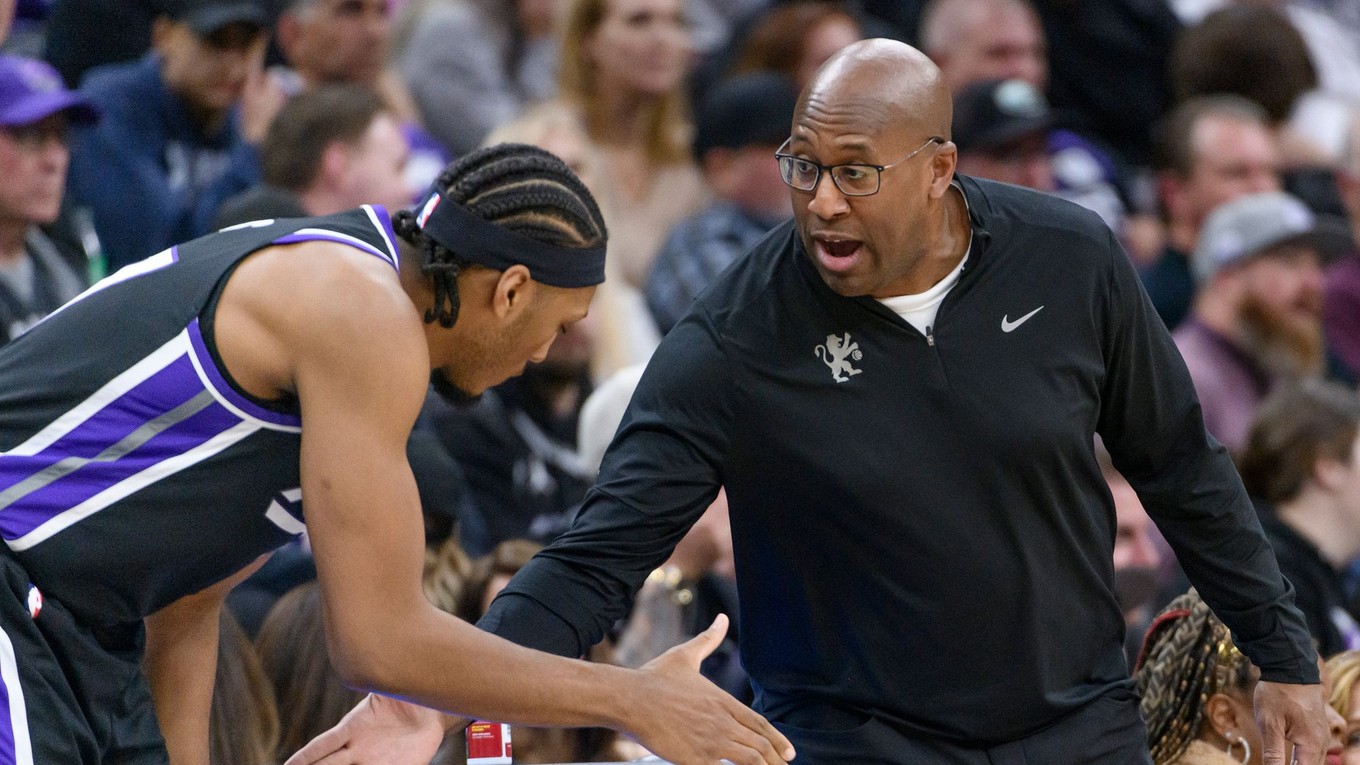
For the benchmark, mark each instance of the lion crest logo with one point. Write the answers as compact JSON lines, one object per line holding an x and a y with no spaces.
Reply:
{"x":836,"y":353}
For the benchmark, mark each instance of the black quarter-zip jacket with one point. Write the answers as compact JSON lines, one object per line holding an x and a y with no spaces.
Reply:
{"x":921,"y":530}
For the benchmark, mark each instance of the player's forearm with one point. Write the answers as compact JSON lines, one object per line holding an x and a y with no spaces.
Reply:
{"x":441,"y":662}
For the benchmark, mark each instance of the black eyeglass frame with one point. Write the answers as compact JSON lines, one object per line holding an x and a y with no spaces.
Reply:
{"x":786,"y":168}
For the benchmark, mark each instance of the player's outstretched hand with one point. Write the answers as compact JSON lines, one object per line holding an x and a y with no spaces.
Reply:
{"x":1293,"y":720}
{"x":378,"y":731}
{"x":682,"y":717}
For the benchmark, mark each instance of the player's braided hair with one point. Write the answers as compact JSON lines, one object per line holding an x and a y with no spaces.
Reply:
{"x":1188,"y":656}
{"x":521,"y":187}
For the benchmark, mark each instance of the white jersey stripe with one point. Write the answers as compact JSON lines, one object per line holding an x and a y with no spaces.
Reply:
{"x":18,"y":710}
{"x":145,"y":266}
{"x":346,"y":238}
{"x":134,"y":483}
{"x":129,"y":379}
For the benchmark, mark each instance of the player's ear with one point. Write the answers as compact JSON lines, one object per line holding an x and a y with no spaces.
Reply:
{"x":514,"y":292}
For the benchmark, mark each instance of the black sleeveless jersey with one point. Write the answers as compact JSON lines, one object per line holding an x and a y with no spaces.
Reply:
{"x":133,"y":470}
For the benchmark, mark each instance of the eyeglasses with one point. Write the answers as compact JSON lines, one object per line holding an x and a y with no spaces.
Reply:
{"x":854,"y":179}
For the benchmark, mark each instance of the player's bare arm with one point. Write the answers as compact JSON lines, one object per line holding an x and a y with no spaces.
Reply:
{"x":181,"y":664}
{"x":360,"y":377}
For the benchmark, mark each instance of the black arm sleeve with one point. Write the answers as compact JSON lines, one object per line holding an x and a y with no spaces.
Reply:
{"x":659,"y":475}
{"x":1151,"y":422}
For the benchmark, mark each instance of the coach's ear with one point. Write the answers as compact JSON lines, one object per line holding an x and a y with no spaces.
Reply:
{"x":514,"y":292}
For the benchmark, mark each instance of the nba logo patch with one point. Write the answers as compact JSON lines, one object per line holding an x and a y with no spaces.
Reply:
{"x":35,"y":601}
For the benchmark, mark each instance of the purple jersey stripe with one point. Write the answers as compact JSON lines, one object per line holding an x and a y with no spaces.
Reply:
{"x":166,"y":389}
{"x":223,"y":387}
{"x":386,"y":220}
{"x":39,"y":506}
{"x":355,"y":243}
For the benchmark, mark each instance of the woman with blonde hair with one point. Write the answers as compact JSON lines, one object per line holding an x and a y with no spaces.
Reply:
{"x":621,"y":77}
{"x":1344,"y":670}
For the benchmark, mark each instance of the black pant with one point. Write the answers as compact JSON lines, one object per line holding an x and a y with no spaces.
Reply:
{"x":1107,"y":731}
{"x":85,"y":700}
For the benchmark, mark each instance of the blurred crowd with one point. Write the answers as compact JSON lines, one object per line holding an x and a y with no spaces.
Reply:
{"x":1219,"y":139}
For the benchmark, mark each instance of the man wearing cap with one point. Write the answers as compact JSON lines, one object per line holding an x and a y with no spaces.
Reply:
{"x":1257,"y":320}
{"x":740,"y":123}
{"x":1001,"y":128}
{"x":36,"y":275}
{"x":179,"y":130}
{"x":274,"y":369}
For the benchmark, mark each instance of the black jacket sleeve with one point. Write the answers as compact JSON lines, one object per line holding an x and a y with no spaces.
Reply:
{"x":1152,"y":425}
{"x":659,"y":475}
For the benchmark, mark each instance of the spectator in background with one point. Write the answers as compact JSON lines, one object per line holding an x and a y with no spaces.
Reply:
{"x":1137,"y":556}
{"x":244,"y":726}
{"x":1252,"y":51}
{"x":741,"y":125}
{"x":292,"y":646}
{"x":974,"y":41}
{"x":1107,"y":66}
{"x":475,"y":64}
{"x":1256,"y":322}
{"x":179,"y":132}
{"x":6,"y":18}
{"x":35,"y":110}
{"x":330,"y":149}
{"x":84,"y":34}
{"x":1341,"y":285}
{"x":331,"y":42}
{"x":1210,"y":150}
{"x":1302,"y":465}
{"x":1197,"y":691}
{"x":516,"y":445}
{"x":795,"y":39}
{"x":1001,"y":129}
{"x":465,"y":588}
{"x":1344,"y":669}
{"x":621,"y":77}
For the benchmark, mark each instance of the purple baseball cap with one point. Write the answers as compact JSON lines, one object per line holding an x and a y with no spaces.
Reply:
{"x":31,"y":90}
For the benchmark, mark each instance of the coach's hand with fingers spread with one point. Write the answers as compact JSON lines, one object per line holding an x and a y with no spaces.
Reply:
{"x":378,"y":730}
{"x":682,"y":717}
{"x":1293,"y":721}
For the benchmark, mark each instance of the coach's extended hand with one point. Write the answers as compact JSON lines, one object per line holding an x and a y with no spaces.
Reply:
{"x":1292,"y":717}
{"x":679,"y":716}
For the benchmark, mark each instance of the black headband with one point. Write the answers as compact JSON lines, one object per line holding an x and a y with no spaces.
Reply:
{"x":495,"y":246}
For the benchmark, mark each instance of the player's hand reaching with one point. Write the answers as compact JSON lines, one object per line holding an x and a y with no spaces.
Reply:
{"x":682,"y":717}
{"x":378,"y":731}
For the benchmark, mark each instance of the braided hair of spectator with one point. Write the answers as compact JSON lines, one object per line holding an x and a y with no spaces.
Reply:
{"x":523,"y":188}
{"x":1187,"y":657}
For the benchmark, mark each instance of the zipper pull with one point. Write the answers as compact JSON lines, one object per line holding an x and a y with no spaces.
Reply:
{"x":930,"y":336}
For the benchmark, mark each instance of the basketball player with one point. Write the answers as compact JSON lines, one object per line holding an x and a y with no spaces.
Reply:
{"x":163,"y":431}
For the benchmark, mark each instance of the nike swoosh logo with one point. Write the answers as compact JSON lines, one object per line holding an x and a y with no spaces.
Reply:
{"x":1009,"y":326}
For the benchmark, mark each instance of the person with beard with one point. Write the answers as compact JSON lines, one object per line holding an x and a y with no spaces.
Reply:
{"x":516,"y":445}
{"x":1301,"y":466}
{"x":1256,"y":322}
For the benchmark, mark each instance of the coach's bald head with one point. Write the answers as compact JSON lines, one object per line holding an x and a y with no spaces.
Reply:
{"x":881,"y":83}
